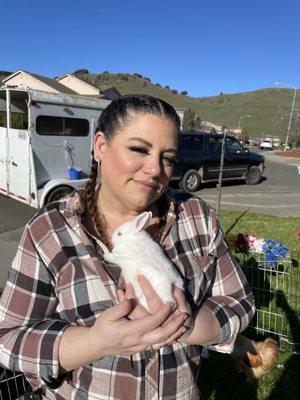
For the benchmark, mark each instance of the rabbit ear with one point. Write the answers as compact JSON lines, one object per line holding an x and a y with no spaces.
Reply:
{"x":133,"y":226}
{"x":141,"y":221}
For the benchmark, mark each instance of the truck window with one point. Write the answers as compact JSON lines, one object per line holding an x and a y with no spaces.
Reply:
{"x":188,"y":143}
{"x":233,"y":146}
{"x":214,"y":145}
{"x":61,"y":126}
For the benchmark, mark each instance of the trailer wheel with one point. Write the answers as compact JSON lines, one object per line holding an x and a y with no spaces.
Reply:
{"x":58,"y":193}
{"x":190,"y":181}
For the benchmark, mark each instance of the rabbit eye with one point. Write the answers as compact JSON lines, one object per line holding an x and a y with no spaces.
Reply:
{"x":119,"y":234}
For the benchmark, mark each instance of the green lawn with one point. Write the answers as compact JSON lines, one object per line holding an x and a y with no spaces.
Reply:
{"x":281,"y":229}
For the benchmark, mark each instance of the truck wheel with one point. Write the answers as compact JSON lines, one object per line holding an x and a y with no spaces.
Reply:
{"x":58,"y":193}
{"x":253,"y":176}
{"x":190,"y":181}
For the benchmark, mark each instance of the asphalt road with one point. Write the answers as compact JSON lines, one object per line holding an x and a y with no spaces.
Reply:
{"x":277,"y":194}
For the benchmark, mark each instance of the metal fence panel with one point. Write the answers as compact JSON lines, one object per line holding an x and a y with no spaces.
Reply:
{"x":276,"y":290}
{"x":12,"y":385}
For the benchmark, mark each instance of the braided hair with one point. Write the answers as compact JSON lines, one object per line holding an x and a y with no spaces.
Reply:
{"x":118,"y":113}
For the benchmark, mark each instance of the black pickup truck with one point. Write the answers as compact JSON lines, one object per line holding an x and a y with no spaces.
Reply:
{"x":199,"y":158}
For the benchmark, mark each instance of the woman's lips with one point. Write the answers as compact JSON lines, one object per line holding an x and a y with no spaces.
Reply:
{"x":145,"y":184}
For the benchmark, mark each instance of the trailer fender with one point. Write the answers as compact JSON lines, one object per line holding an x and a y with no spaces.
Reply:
{"x":55,"y":184}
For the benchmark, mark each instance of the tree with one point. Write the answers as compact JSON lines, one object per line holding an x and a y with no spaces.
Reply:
{"x":243,"y":135}
{"x":188,"y":123}
{"x":197,"y":123}
{"x":184,"y":92}
{"x":174,"y":91}
{"x":81,"y":71}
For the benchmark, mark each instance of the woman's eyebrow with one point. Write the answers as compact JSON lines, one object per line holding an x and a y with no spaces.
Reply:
{"x":145,"y":142}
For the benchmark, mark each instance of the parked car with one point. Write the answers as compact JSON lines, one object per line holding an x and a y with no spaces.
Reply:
{"x":266,"y":145}
{"x":199,"y":158}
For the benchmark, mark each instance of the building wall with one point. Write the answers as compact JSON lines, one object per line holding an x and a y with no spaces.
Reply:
{"x":26,"y":80}
{"x":78,"y":86}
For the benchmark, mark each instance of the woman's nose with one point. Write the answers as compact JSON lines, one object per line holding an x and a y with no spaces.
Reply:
{"x":153,"y":166}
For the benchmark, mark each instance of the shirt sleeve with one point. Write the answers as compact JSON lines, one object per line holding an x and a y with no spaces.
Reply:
{"x":29,"y":332}
{"x":229,"y":296}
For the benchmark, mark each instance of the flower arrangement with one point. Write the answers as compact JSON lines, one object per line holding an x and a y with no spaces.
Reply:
{"x":249,"y":243}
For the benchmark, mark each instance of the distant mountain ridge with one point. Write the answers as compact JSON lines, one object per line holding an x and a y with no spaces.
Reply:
{"x":269,"y":108}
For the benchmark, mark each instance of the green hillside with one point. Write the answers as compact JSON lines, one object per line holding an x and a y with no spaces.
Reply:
{"x":269,"y":108}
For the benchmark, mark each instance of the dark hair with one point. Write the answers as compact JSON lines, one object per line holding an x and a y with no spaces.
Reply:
{"x":113,"y":118}
{"x":121,"y":110}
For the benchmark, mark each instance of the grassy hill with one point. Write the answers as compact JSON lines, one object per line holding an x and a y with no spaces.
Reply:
{"x":269,"y":108}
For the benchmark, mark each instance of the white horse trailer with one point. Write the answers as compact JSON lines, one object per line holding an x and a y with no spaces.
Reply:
{"x":43,"y":137}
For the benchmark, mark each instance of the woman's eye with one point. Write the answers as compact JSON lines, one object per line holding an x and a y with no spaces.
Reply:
{"x":138,"y":149}
{"x":169,"y":160}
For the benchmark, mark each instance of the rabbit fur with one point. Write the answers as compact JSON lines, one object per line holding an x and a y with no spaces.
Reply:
{"x":254,"y":359}
{"x":136,"y":253}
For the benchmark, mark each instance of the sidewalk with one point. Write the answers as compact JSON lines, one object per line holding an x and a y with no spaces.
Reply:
{"x":271,"y":156}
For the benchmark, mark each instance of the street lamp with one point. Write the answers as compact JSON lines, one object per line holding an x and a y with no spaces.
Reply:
{"x":291,"y":115}
{"x":241,"y":117}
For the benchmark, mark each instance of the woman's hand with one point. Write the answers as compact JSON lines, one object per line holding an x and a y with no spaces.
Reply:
{"x":114,"y":334}
{"x":155,"y":303}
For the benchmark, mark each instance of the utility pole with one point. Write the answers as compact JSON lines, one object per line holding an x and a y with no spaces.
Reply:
{"x":219,"y":185}
{"x":291,"y":113}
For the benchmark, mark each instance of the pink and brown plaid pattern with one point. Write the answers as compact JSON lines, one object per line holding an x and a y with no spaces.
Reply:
{"x":57,"y":279}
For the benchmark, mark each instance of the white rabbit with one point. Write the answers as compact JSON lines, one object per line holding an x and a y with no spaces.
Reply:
{"x":136,"y":253}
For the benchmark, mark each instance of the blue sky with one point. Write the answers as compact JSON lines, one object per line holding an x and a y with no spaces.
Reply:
{"x":204,"y":47}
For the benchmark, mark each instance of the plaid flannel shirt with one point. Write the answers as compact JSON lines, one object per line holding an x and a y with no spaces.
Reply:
{"x":57,"y":279}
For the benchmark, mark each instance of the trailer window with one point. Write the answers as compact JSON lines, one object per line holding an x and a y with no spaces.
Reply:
{"x":18,"y":120}
{"x":61,"y":126}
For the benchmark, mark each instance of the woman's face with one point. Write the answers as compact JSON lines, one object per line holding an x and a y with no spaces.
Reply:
{"x":137,"y":164}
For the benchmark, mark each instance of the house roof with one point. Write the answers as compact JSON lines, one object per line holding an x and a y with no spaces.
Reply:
{"x":48,"y":81}
{"x":110,"y":93}
{"x":76,"y":78}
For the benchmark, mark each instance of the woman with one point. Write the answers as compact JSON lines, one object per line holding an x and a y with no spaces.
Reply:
{"x":68,"y":322}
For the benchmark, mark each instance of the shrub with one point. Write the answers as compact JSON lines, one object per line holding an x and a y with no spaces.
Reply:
{"x":81,"y":71}
{"x":184,"y":92}
{"x":158,"y":84}
{"x":138,"y":75}
{"x":174,"y":91}
{"x":167,"y":87}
